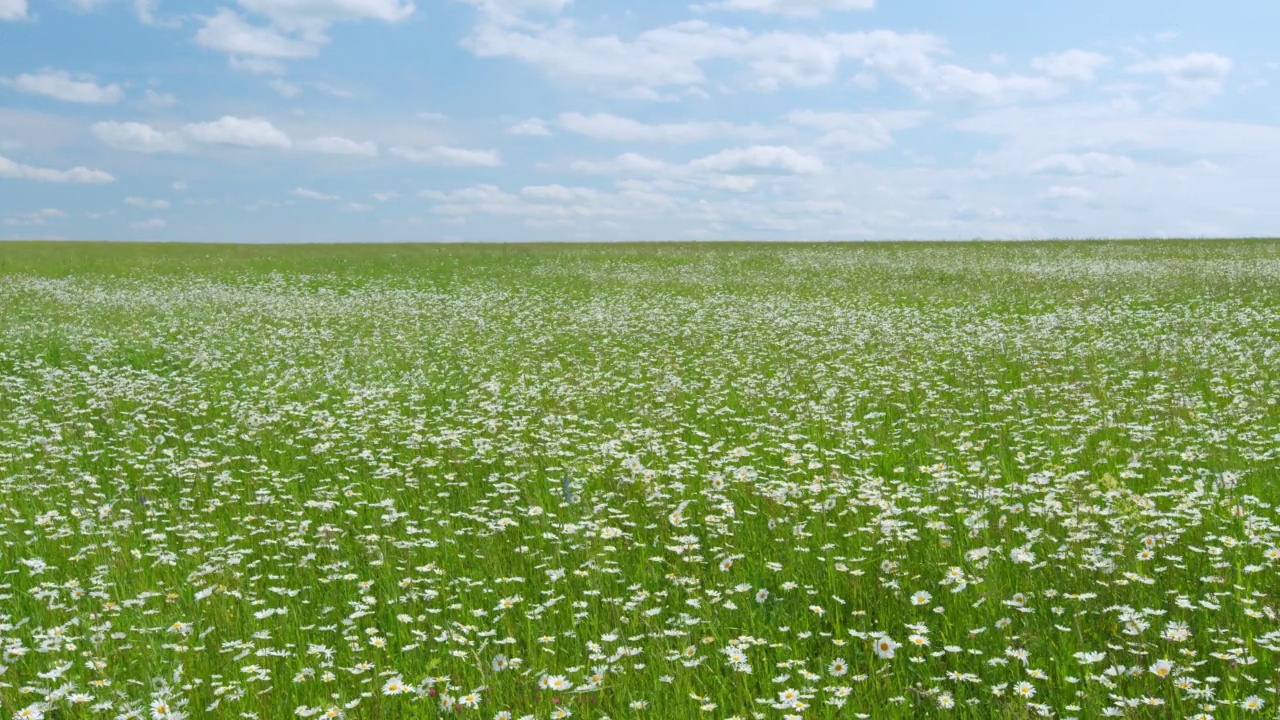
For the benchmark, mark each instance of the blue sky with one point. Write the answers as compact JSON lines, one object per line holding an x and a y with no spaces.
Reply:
{"x":399,"y":120}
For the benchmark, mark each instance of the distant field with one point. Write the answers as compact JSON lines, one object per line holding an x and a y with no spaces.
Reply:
{"x":640,"y":481}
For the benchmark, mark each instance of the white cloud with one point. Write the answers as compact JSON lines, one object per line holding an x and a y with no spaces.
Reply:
{"x":146,"y":11}
{"x":732,"y":183}
{"x":147,"y":204}
{"x":334,"y":145}
{"x":956,"y":81}
{"x":674,"y":55}
{"x":513,"y":12}
{"x":242,"y":132}
{"x":560,"y":193}
{"x":357,"y":207}
{"x":473,"y":193}
{"x":1190,"y":79}
{"x":1029,"y":135}
{"x":1090,"y":163}
{"x":555,"y":204}
{"x":788,"y":7}
{"x":11,"y":169}
{"x":136,"y":137}
{"x":313,"y":16}
{"x":859,"y":132}
{"x":604,"y":126}
{"x":312,"y":194}
{"x":152,"y":224}
{"x":762,"y":159}
{"x":449,"y":156}
{"x":13,"y":9}
{"x":257,"y":65}
{"x":37,"y":217}
{"x":295,"y":29}
{"x":286,"y":89}
{"x":332,"y":90}
{"x":227,"y":130}
{"x":228,"y":32}
{"x":648,"y":94}
{"x":560,"y":51}
{"x":385,"y":196}
{"x":532,"y":126}
{"x":159,"y":99}
{"x":180,"y":185}
{"x":624,"y":163}
{"x":1075,"y":65}
{"x":1066,"y":192}
{"x":61,"y":86}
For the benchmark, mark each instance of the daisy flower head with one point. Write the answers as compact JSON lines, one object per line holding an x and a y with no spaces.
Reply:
{"x":884,"y":646}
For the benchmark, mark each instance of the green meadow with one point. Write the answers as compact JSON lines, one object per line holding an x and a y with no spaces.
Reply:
{"x":883,"y":480}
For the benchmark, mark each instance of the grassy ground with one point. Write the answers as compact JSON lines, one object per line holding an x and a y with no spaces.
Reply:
{"x":640,"y":481}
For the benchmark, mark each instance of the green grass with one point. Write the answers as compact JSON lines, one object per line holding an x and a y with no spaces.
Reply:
{"x":242,"y":481}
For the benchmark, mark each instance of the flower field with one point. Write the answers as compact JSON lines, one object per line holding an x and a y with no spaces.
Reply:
{"x":669,"y":481}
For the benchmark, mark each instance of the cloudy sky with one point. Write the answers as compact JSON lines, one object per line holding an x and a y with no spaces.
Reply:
{"x":364,"y":120}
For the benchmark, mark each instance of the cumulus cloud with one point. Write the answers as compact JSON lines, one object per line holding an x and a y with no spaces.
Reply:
{"x":625,"y":163}
{"x":242,"y":132}
{"x":859,"y":132}
{"x":759,"y":159}
{"x":286,"y":89}
{"x":1066,"y":192}
{"x":12,"y":169}
{"x":1074,"y":65}
{"x":730,"y":169}
{"x":310,"y":15}
{"x":732,"y":183}
{"x":147,"y":204}
{"x":674,"y":55}
{"x":152,"y":224}
{"x":37,"y":217}
{"x":532,"y":126}
{"x":449,"y":156}
{"x":788,"y":7}
{"x":1090,"y":163}
{"x":136,"y":137}
{"x":334,"y":145}
{"x":228,"y":130}
{"x":1190,"y":80}
{"x":513,"y":12}
{"x":159,"y":99}
{"x":13,"y":9}
{"x":312,"y":194}
{"x":61,"y":85}
{"x":552,"y":203}
{"x":257,"y":65}
{"x":560,"y":193}
{"x":605,"y":126}
{"x":228,"y":32}
{"x":294,"y":29}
